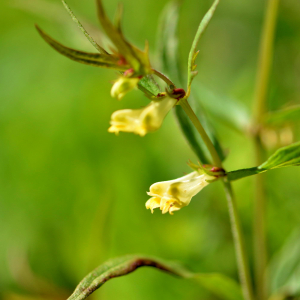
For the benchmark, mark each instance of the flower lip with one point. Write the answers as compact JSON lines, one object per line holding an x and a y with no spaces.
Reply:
{"x":172,"y":195}
{"x":144,"y":120}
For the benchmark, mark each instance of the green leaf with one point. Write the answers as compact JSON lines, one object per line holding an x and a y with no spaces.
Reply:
{"x":193,"y":52}
{"x":149,"y":86}
{"x":290,"y":114}
{"x":196,"y":104}
{"x":167,"y":54}
{"x":93,"y":59}
{"x":218,"y":284}
{"x":224,"y":109}
{"x":89,"y":37}
{"x":191,"y":134}
{"x":138,"y":60}
{"x":238,"y":174}
{"x":284,"y":157}
{"x":167,"y":42}
{"x":284,"y":268}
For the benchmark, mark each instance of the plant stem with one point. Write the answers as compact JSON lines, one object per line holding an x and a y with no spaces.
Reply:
{"x":237,"y":233}
{"x":259,"y":226}
{"x":233,"y":212}
{"x":265,"y":59}
{"x":189,"y":111}
{"x":166,"y":79}
{"x":263,"y":74}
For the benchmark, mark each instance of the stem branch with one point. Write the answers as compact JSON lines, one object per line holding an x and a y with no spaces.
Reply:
{"x":233,"y":212}
{"x":265,"y":59}
{"x":262,"y":82}
{"x":237,"y":233}
{"x":189,"y":111}
{"x":166,"y":79}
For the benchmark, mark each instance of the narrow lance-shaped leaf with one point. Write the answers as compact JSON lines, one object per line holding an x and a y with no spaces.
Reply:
{"x":224,"y":109}
{"x":276,"y":118}
{"x":284,"y":268}
{"x":147,"y":84}
{"x":88,"y":36}
{"x":222,"y":286}
{"x":199,"y":110}
{"x":167,"y":54}
{"x":193,"y":52}
{"x":167,"y":42}
{"x":284,"y":157}
{"x":137,"y":59}
{"x":93,"y":59}
{"x":191,"y":134}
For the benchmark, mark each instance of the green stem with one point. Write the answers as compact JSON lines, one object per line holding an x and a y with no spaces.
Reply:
{"x":166,"y":79}
{"x":262,"y":82}
{"x":233,"y":212}
{"x":259,"y":226}
{"x":265,"y":59}
{"x":189,"y":111}
{"x":240,"y":249}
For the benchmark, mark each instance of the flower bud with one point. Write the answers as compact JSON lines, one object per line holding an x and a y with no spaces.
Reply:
{"x":172,"y":195}
{"x":122,"y":86}
{"x":141,"y":121}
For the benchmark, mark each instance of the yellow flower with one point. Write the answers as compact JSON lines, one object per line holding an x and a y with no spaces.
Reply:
{"x":122,"y":86}
{"x":172,"y":195}
{"x":141,"y":121}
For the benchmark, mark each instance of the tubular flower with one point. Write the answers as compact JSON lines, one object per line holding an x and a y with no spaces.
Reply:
{"x":141,"y":121}
{"x":122,"y":86}
{"x":172,"y":195}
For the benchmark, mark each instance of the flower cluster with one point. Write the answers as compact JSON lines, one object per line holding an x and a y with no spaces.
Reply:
{"x":133,"y":65}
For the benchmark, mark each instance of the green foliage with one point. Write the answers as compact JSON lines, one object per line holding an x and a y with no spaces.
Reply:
{"x":224,"y":109}
{"x":279,"y":117}
{"x":58,"y":163}
{"x":285,"y":157}
{"x":167,"y":42}
{"x":168,"y":57}
{"x":284,"y":269}
{"x":193,"y":52}
{"x":87,"y":35}
{"x":218,"y":284}
{"x":149,"y":86}
{"x":137,"y":59}
{"x":93,"y":59}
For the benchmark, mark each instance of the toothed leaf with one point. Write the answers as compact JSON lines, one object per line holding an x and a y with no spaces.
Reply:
{"x":136,"y":58}
{"x":193,"y":52}
{"x":93,"y":59}
{"x":88,"y":36}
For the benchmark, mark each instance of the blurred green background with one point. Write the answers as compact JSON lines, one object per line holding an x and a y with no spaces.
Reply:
{"x":72,"y":195}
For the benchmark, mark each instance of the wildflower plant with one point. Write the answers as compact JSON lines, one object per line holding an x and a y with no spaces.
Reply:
{"x":136,"y":72}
